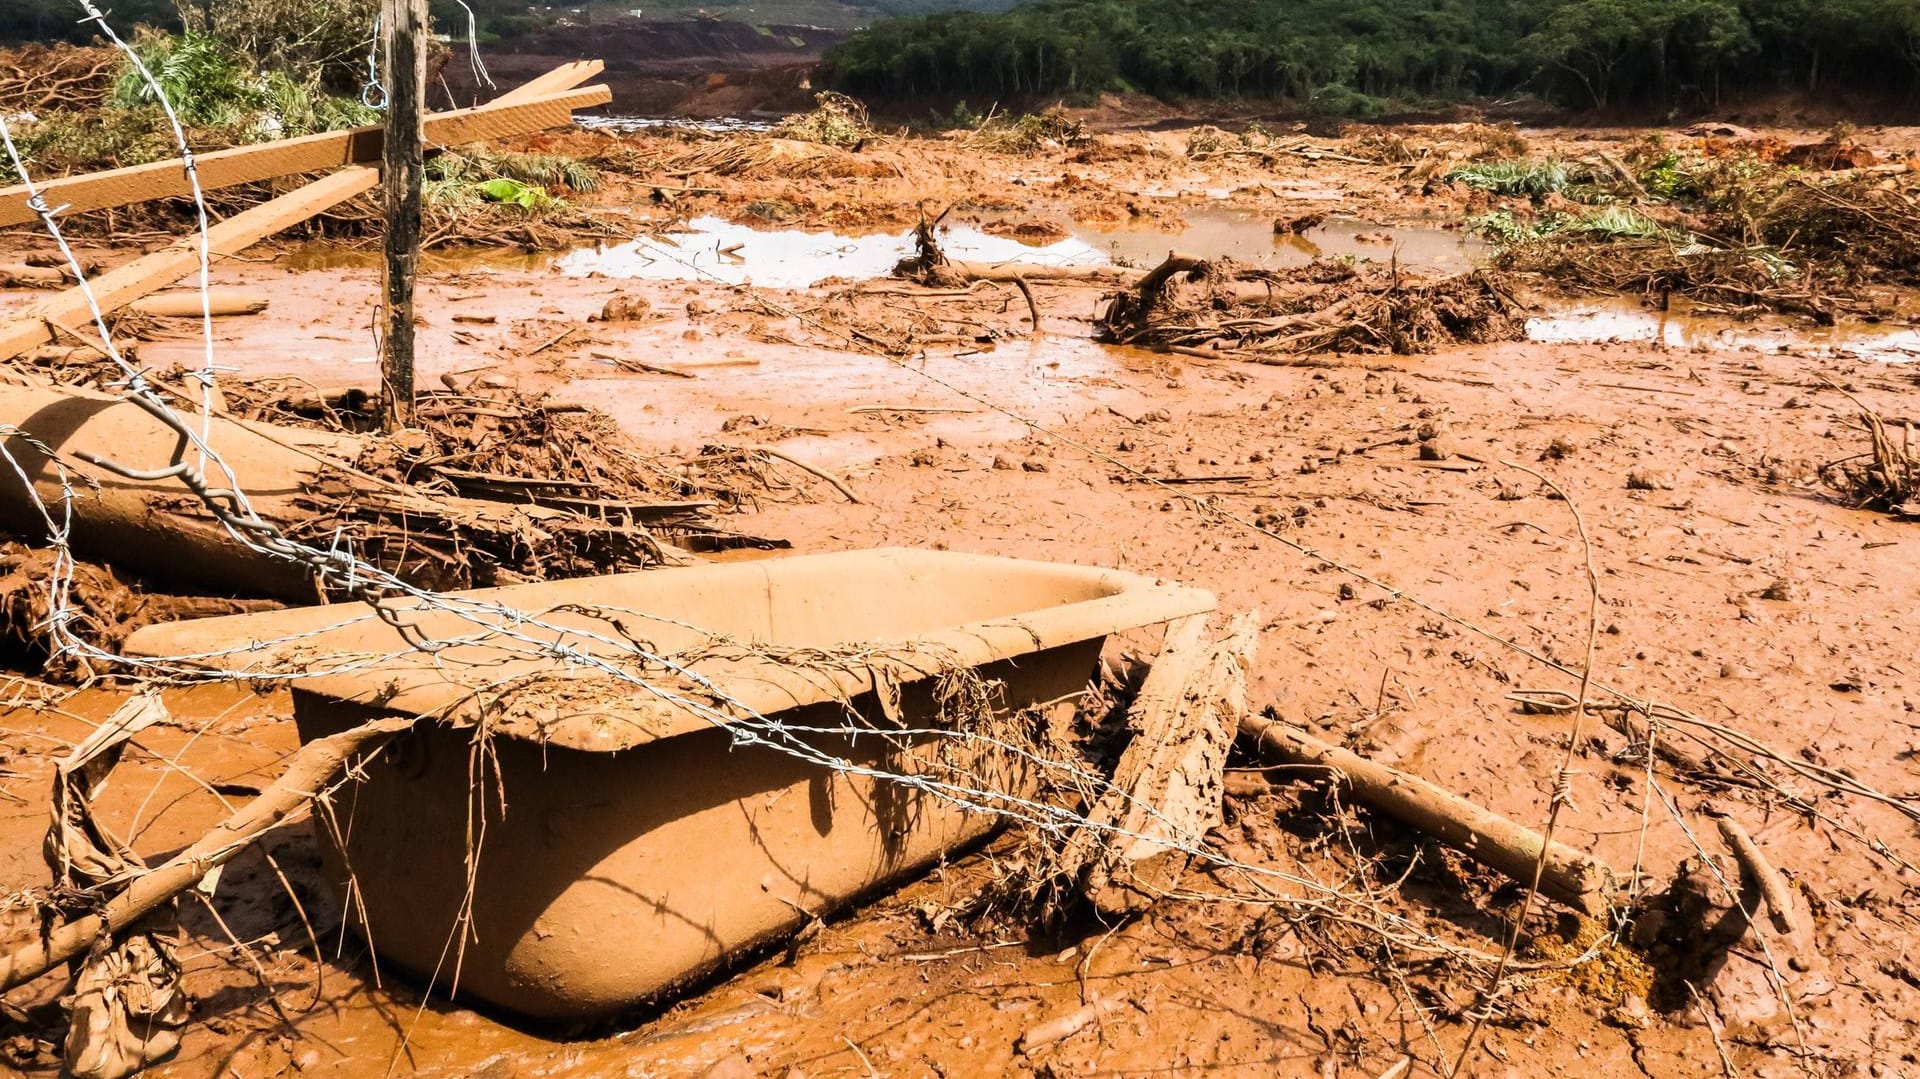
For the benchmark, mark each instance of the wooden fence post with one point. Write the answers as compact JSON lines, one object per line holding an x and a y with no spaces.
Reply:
{"x":403,"y":26}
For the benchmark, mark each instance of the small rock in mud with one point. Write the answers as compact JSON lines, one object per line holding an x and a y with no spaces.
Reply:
{"x":1001,"y":464}
{"x":1784,"y":591}
{"x":698,"y":309}
{"x":1639,"y":480}
{"x":1033,"y":464}
{"x":1631,"y":1013}
{"x":1438,"y":449}
{"x":1294,"y":226}
{"x":622,"y":307}
{"x":921,"y":459}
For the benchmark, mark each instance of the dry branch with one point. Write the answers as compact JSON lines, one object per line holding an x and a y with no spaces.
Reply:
{"x":308,"y":772}
{"x":1569,"y":877}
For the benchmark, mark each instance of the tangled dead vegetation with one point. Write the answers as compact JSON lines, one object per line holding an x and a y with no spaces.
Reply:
{"x":835,"y":120}
{"x":1741,"y":227}
{"x":1028,"y":133}
{"x":104,"y":609}
{"x":37,"y":78}
{"x":1326,"y":306}
{"x":1742,"y":281}
{"x":1887,"y":476}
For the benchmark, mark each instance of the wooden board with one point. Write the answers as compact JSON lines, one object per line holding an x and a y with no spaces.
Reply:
{"x":125,"y":283}
{"x":562,"y":78}
{"x":308,"y":153}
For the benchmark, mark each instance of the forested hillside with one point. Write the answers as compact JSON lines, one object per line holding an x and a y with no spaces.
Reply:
{"x":1347,"y":55}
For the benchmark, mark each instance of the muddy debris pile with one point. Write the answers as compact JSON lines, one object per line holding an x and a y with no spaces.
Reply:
{"x":101,"y":608}
{"x":776,"y":157}
{"x":1216,"y":307}
{"x":1739,"y":226}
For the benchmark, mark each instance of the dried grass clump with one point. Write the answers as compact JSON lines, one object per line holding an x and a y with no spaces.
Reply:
{"x":835,"y":120}
{"x":1028,"y":133}
{"x":1886,"y":477}
{"x":777,"y":157}
{"x":1497,"y":142}
{"x":1385,"y":147}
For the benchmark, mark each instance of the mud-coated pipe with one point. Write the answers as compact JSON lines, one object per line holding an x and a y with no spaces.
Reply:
{"x":1568,"y":876}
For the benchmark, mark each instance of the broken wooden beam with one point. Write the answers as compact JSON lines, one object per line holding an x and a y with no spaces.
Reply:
{"x":560,"y":79}
{"x":71,"y":309}
{"x":1567,"y":876}
{"x":1166,"y":789}
{"x":289,"y":157}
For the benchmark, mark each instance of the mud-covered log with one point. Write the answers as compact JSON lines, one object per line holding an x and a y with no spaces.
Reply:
{"x":1568,"y":876}
{"x":157,"y":529}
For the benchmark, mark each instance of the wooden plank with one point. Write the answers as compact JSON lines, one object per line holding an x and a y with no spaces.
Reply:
{"x":1168,"y":782}
{"x":560,"y":79}
{"x":287,"y":157}
{"x":128,"y":282}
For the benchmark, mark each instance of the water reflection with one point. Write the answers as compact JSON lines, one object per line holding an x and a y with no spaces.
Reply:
{"x":1680,"y":328}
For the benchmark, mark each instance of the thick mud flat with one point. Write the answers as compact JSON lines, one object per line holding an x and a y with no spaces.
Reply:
{"x":1403,"y":600}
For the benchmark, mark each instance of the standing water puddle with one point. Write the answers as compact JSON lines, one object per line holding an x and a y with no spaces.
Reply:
{"x":720,"y":250}
{"x":1625,"y":320}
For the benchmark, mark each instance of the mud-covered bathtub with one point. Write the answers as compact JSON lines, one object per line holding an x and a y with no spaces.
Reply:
{"x":574,"y":843}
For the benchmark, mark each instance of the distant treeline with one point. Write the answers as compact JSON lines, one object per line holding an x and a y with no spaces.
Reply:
{"x":59,"y":20}
{"x":1347,"y":56}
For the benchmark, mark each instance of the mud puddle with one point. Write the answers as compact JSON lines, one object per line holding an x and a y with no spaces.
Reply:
{"x":1251,"y":240}
{"x":840,"y":409}
{"x":724,"y":252}
{"x":718,"y":250}
{"x":1625,"y":320}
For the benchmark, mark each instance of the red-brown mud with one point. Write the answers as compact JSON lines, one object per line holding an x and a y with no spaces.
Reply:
{"x":1733,"y":584}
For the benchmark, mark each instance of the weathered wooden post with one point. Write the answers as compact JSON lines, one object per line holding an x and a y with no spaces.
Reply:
{"x":403,"y":26}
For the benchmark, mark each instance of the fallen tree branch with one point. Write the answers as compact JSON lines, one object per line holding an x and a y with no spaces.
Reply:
{"x":813,"y":470}
{"x":308,"y":770}
{"x":1568,"y":876}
